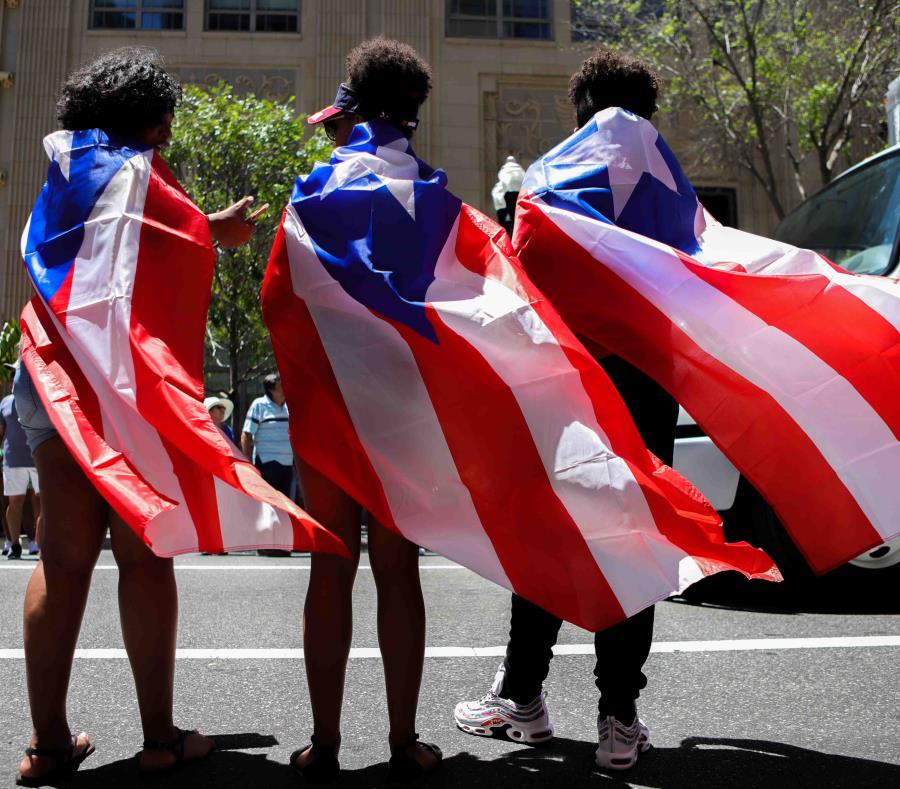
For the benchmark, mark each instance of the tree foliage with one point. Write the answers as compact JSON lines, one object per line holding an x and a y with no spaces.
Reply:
{"x":766,"y":79}
{"x":10,"y":334}
{"x":225,"y":146}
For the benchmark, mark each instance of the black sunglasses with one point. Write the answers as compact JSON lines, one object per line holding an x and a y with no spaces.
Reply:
{"x":330,"y":128}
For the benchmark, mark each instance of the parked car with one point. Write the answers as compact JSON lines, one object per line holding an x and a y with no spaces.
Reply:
{"x":855,"y":222}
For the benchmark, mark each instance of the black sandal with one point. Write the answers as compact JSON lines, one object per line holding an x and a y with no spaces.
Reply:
{"x":324,"y":769}
{"x":67,"y":762}
{"x":175,"y":746}
{"x":404,"y":770}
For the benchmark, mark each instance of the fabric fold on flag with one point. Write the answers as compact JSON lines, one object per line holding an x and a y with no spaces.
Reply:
{"x":430,"y":380}
{"x":122,"y":263}
{"x":789,"y":363}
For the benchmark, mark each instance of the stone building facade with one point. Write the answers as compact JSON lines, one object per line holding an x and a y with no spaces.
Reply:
{"x":500,"y":82}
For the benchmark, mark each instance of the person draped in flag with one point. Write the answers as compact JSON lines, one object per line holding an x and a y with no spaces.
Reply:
{"x":786,"y":361}
{"x":110,"y":398}
{"x":515,"y":706}
{"x":430,"y":381}
{"x":389,"y":81}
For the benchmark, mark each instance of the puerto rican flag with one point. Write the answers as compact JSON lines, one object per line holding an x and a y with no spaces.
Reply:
{"x":429,"y":379}
{"x":122,"y":263}
{"x":789,"y":363}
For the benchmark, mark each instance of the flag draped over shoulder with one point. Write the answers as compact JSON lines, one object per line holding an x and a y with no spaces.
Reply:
{"x":790,"y":364}
{"x":122,"y":263}
{"x":431,"y":380}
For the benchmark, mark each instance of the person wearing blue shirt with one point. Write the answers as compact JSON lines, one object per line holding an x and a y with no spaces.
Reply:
{"x":19,"y":474}
{"x":265,"y":441}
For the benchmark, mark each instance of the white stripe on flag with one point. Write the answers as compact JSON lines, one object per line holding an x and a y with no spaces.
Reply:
{"x":596,"y":487}
{"x":769,"y":257}
{"x":849,"y":433}
{"x":237,"y":510}
{"x":405,"y":445}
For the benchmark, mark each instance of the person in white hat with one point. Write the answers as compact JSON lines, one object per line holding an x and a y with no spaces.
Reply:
{"x":220,"y":409}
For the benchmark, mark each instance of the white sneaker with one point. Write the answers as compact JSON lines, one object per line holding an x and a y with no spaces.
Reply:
{"x":6,"y":547}
{"x":494,"y":716}
{"x":619,"y":745}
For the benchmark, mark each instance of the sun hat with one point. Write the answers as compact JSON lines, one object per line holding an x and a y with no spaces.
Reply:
{"x":209,"y":402}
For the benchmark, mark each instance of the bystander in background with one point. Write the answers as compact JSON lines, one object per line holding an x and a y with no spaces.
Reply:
{"x":19,"y":478}
{"x":220,"y":409}
{"x":265,"y":441}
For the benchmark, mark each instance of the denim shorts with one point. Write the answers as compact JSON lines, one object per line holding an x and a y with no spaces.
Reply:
{"x":32,"y":415}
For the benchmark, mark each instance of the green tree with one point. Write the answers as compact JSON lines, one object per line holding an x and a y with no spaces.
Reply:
{"x":800,"y":79}
{"x":10,"y":334}
{"x":225,"y":146}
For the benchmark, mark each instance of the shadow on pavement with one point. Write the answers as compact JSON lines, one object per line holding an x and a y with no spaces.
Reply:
{"x":566,"y":763}
{"x":843,"y":591}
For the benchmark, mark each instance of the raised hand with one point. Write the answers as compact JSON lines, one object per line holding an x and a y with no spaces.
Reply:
{"x":231,"y":227}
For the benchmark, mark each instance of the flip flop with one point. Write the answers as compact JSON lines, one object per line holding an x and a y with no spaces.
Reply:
{"x":404,"y":770}
{"x":324,"y":769}
{"x":175,"y":746}
{"x":67,"y":762}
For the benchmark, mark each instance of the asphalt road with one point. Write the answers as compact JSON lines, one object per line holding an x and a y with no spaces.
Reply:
{"x":826,"y":714}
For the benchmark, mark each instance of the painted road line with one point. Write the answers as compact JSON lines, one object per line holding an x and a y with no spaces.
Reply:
{"x":732,"y":645}
{"x":241,"y":567}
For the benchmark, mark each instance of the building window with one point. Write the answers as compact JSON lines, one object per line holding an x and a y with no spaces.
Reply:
{"x":258,"y":16}
{"x":137,"y":14}
{"x":499,"y":19}
{"x":603,"y":20}
{"x":720,"y":201}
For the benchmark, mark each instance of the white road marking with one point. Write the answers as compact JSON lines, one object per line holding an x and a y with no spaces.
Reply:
{"x":731,"y":645}
{"x":259,"y":567}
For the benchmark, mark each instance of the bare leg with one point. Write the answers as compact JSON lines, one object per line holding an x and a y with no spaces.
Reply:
{"x":14,"y":518}
{"x":328,"y":615}
{"x":401,"y":629}
{"x":75,"y":521}
{"x":36,"y":511}
{"x":148,"y":609}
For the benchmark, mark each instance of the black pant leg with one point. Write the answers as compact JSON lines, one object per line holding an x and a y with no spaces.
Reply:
{"x":622,"y":651}
{"x":532,"y":634}
{"x":278,"y":475}
{"x":653,"y":409}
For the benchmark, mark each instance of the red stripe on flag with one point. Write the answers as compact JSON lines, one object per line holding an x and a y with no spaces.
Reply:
{"x":167,"y":374}
{"x":60,"y":301}
{"x":322,"y":432}
{"x":816,"y":508}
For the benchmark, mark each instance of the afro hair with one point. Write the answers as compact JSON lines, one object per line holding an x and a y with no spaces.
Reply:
{"x":607,"y":79}
{"x":123,"y":91}
{"x":390,"y":79}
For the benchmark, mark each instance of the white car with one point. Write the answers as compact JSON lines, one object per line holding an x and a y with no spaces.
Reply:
{"x":855,"y":222}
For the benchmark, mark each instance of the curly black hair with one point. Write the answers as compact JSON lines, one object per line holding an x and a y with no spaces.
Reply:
{"x":390,"y":79}
{"x":607,"y":79}
{"x":123,"y":91}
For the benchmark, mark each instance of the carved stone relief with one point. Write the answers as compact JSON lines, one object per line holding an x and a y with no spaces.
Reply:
{"x":524,"y":118}
{"x":274,"y":84}
{"x":531,"y":119}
